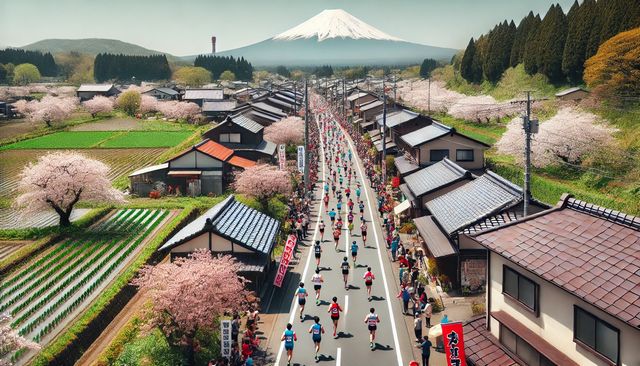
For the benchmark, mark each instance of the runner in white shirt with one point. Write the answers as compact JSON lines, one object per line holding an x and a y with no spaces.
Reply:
{"x":317,"y":281}
{"x":372,"y":321}
{"x":368,"y":281}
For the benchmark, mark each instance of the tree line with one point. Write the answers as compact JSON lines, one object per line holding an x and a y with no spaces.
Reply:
{"x":241,"y":68}
{"x":108,"y":66}
{"x":557,"y":45}
{"x":43,"y":61}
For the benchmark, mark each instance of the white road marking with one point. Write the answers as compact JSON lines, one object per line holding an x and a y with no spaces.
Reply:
{"x":294,"y":305}
{"x":346,"y":243}
{"x":338,"y":356}
{"x":346,"y":305}
{"x":378,"y":244}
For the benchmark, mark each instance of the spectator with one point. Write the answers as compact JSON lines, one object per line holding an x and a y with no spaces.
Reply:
{"x":426,"y":350}
{"x":428,"y":310}
{"x":417,"y":327}
{"x":406,"y":297}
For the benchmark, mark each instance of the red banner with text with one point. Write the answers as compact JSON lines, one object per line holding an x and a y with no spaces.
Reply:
{"x":287,"y":254}
{"x":454,"y":344}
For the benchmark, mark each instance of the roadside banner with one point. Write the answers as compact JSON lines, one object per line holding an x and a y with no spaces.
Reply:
{"x":225,"y":338}
{"x":282,"y":156}
{"x":454,"y":344}
{"x":301,"y":159}
{"x":287,"y":254}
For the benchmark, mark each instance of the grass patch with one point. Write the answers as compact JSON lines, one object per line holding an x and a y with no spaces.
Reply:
{"x":146,"y":139}
{"x":102,"y":139}
{"x":45,"y":130}
{"x":62,"y":140}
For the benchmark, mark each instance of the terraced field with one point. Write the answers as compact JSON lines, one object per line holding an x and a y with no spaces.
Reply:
{"x":121,"y":161}
{"x":13,"y":219}
{"x":44,"y":294}
{"x":7,"y":247}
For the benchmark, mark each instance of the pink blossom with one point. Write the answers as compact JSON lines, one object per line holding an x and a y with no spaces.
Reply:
{"x":263,"y":181}
{"x":99,"y":104}
{"x":288,"y":131}
{"x":21,"y":106}
{"x":191,"y":293}
{"x":10,"y":341}
{"x":178,"y":110}
{"x":59,"y":180}
{"x":51,"y":109}
{"x":148,"y":104}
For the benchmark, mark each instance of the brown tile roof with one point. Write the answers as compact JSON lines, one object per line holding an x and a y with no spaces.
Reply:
{"x":241,"y":162}
{"x":214,"y":150}
{"x":587,"y":250}
{"x":437,"y":242}
{"x":482,"y":348}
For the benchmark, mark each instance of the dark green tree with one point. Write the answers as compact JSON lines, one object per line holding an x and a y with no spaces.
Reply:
{"x":531,"y":52}
{"x":282,"y":70}
{"x":3,"y":74}
{"x":551,"y":40}
{"x":466,"y":65}
{"x":428,"y":65}
{"x":573,"y":57}
{"x":43,"y":61}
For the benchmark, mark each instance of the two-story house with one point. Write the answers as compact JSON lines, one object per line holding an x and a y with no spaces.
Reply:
{"x":563,"y":287}
{"x":244,"y":136}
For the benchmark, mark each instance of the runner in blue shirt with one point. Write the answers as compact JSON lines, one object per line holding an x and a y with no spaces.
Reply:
{"x":316,"y":331}
{"x":302,"y":294}
{"x":332,"y":216}
{"x":289,"y":336}
{"x":354,"y":251}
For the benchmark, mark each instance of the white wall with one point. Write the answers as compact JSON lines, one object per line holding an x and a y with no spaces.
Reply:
{"x":219,"y":244}
{"x":195,"y":160}
{"x":555,"y":323}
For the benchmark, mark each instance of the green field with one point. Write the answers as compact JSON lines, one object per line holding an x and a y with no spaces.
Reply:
{"x":102,"y":139}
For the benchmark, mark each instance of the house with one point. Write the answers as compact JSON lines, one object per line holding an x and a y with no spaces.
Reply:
{"x":204,"y":169}
{"x":359,"y":97}
{"x":436,"y":141}
{"x":262,"y":113}
{"x":401,"y":122}
{"x":280,"y":104}
{"x":432,"y":182}
{"x":6,"y":110}
{"x":232,"y":228}
{"x":244,"y":136}
{"x":563,"y":286}
{"x":88,"y":91}
{"x":370,"y":110}
{"x":405,"y":165}
{"x":163,"y":93}
{"x":487,"y":201}
{"x":376,"y":139}
{"x":572,"y":94}
{"x":217,"y":110}
{"x":199,"y":96}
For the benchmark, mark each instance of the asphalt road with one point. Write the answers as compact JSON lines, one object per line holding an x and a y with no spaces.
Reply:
{"x":393,"y":342}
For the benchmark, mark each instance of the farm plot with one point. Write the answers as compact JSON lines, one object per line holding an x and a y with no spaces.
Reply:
{"x":121,"y":162}
{"x":46,"y":293}
{"x":13,"y":219}
{"x":98,"y":139}
{"x":7,"y":247}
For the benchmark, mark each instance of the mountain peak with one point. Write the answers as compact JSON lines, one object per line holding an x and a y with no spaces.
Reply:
{"x":334,"y":23}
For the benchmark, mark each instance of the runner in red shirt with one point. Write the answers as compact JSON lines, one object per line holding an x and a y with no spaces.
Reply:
{"x":334,"y":311}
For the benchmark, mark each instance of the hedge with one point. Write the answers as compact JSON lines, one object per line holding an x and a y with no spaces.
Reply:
{"x":70,"y":345}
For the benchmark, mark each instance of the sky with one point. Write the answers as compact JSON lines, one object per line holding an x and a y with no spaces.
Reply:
{"x":184,"y":27}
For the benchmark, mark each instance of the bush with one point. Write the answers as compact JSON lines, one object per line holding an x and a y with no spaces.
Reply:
{"x":151,"y":349}
{"x":408,"y":228}
{"x":477,"y":308}
{"x":432,"y":267}
{"x":437,"y":305}
{"x":129,"y":102}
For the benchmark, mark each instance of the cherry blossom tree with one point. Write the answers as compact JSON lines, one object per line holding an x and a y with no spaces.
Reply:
{"x":21,"y":106}
{"x":569,"y":136}
{"x":148,"y":104}
{"x":59,"y":180}
{"x":263,"y":181}
{"x":51,"y":109}
{"x":99,"y":104}
{"x":288,"y":131}
{"x":11,"y":341}
{"x":179,"y":110}
{"x":191,"y":293}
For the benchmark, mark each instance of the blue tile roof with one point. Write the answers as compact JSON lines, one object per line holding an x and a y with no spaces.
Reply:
{"x":426,"y":134}
{"x":435,"y":177}
{"x":247,"y":123}
{"x":398,"y":118}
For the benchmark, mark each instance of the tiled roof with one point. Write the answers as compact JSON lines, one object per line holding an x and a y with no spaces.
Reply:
{"x":405,"y":166}
{"x":280,"y":102}
{"x":218,"y":105}
{"x":474,"y":201}
{"x":95,"y":87}
{"x":214,"y":150}
{"x":246,"y":123}
{"x":234,"y":221}
{"x":587,"y":250}
{"x":268,"y":108}
{"x":434,"y":177}
{"x":168,"y":91}
{"x":407,"y":192}
{"x":482,"y":348}
{"x":355,"y":96}
{"x":150,"y":169}
{"x":267,"y":116}
{"x":398,"y":118}
{"x":241,"y":162}
{"x":369,"y":106}
{"x":437,"y":242}
{"x":215,"y":94}
{"x":426,"y":134}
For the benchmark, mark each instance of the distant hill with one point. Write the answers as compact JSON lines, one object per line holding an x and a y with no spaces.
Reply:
{"x":93,"y":46}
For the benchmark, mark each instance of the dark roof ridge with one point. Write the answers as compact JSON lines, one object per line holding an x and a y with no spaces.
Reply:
{"x":455,"y":167}
{"x":223,"y":206}
{"x":503,"y":182}
{"x":620,"y":218}
{"x":442,"y":126}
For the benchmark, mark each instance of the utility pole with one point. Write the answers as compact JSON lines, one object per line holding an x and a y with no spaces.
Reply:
{"x":429,"y":97}
{"x":344,"y":99}
{"x":384,"y":134}
{"x":306,"y":138}
{"x":527,"y":155}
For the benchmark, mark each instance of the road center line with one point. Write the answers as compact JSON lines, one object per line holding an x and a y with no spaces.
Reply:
{"x":338,"y":356}
{"x":346,"y":305}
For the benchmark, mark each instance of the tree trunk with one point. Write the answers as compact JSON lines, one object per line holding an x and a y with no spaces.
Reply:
{"x":190,"y":352}
{"x":64,"y":219}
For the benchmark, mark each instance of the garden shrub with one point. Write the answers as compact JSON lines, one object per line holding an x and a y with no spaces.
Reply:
{"x":408,"y":228}
{"x":150,"y":349}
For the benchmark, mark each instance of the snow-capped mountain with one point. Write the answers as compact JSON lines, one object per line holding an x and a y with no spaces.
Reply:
{"x":334,"y":23}
{"x":337,"y":38}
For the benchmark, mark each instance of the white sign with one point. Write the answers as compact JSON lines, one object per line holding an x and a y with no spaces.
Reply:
{"x":282,"y":156}
{"x":225,"y":338}
{"x":301,"y":159}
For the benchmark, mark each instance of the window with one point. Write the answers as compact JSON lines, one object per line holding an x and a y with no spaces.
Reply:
{"x":520,"y":288}
{"x":464,"y":155}
{"x":596,"y":334}
{"x":437,"y":155}
{"x":522,"y":349}
{"x":230,"y":137}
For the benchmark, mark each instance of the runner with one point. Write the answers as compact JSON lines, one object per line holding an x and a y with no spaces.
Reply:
{"x":339,"y":223}
{"x":345,"y":271}
{"x":321,"y":228}
{"x":339,"y":206}
{"x":334,"y":311}
{"x":372,"y":321}
{"x":361,"y":207}
{"x":289,"y":336}
{"x":317,"y":250}
{"x":317,"y":281}
{"x":354,"y":252}
{"x":336,"y":238}
{"x":368,"y":281}
{"x":302,"y":294}
{"x":316,"y":331}
{"x":332,"y":216}
{"x":363,"y":230}
{"x":358,"y":192}
{"x":326,"y":202}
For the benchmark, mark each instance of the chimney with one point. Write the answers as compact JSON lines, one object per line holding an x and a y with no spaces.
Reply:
{"x":213,"y":45}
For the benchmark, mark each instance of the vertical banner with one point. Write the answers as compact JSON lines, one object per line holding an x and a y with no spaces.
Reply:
{"x":301,"y":159}
{"x":454,"y":344}
{"x":225,"y":338}
{"x":287,"y":254}
{"x":282,"y":156}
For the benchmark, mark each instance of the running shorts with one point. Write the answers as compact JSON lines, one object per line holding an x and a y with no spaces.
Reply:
{"x":316,"y":339}
{"x":302,"y":301}
{"x":317,"y":287}
{"x":317,"y":255}
{"x":288,"y":347}
{"x":368,"y":283}
{"x":372,"y":328}
{"x":354,"y":254}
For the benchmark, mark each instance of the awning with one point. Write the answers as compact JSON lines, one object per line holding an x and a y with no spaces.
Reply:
{"x":366,"y":124}
{"x":402,"y":207}
{"x":437,"y":242}
{"x":404,"y":188}
{"x":150,"y":169}
{"x":359,"y":120}
{"x":179,"y":173}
